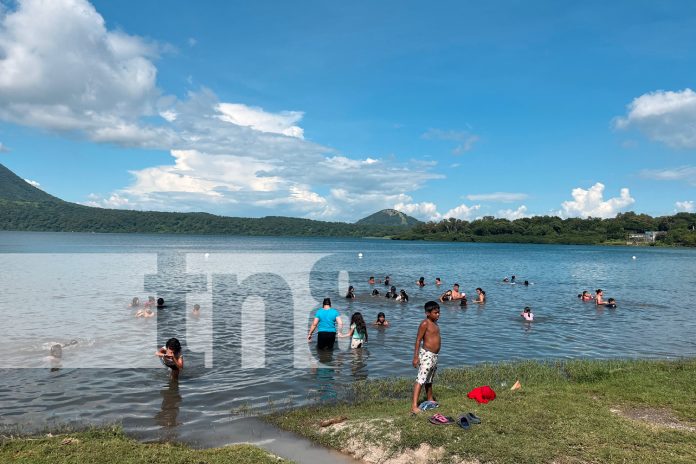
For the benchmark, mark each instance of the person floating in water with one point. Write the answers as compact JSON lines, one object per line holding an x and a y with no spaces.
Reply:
{"x":481,"y":298}
{"x":527,"y":314}
{"x":512,"y":279}
{"x":145,"y":312}
{"x":421,"y":282}
{"x":381,"y":320}
{"x":425,"y":353}
{"x":585,"y":296}
{"x":526,"y":283}
{"x":403,"y":297}
{"x":391,"y":293}
{"x":196,"y":310}
{"x":56,"y":351}
{"x":160,"y":303}
{"x":135,"y":302}
{"x":170,"y":355}
{"x":150,"y":301}
{"x":438,"y":282}
{"x":375,"y":292}
{"x":463,"y":301}
{"x":386,"y":281}
{"x":351,"y":293}
{"x":357,"y":332}
{"x":611,"y":303}
{"x":371,"y":280}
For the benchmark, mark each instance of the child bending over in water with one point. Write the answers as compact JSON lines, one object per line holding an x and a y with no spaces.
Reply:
{"x":358,"y":331}
{"x":425,"y":353}
{"x":527,"y":314}
{"x":381,"y":321}
{"x":170,"y":355}
{"x":447,"y":296}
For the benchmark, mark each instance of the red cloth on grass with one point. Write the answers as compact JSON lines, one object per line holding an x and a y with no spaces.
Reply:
{"x":482,"y":394}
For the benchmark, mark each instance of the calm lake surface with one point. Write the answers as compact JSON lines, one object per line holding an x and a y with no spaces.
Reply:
{"x":248,"y":349}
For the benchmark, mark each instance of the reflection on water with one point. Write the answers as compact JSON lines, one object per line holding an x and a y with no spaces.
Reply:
{"x":248,"y":359}
{"x":171,"y":402}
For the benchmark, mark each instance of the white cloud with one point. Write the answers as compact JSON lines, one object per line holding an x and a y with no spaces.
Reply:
{"x":591,"y":202}
{"x":465,"y":139}
{"x":428,"y":211}
{"x":685,"y":206}
{"x":4,"y":148}
{"x":684,"y":173}
{"x":32,"y":182}
{"x":62,"y":70}
{"x":513,"y":214}
{"x":503,"y":197}
{"x":115,"y":201}
{"x":665,"y":116}
{"x":424,"y":210}
{"x":260,"y":120}
{"x":192,"y":41}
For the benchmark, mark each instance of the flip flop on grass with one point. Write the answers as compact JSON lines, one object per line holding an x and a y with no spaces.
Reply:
{"x":439,"y":419}
{"x":472,"y":418}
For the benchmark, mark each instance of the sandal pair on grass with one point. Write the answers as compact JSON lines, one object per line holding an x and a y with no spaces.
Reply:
{"x":465,"y":421}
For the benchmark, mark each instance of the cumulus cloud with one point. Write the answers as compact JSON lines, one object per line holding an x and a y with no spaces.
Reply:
{"x":465,"y":139}
{"x":665,"y":116}
{"x":591,"y":202}
{"x":513,"y":214}
{"x":32,"y":182}
{"x":684,"y":206}
{"x":502,"y":197}
{"x":428,"y":211}
{"x":62,"y":70}
{"x":682,"y":173}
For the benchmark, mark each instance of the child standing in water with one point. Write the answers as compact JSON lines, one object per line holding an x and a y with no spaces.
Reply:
{"x":170,"y":355}
{"x":527,"y":314}
{"x":425,"y":353}
{"x":358,"y":331}
{"x":381,"y":320}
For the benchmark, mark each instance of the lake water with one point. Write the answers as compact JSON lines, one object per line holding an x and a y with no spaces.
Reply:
{"x":248,"y":350}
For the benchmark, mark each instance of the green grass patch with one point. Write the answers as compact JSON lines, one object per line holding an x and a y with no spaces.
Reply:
{"x":575,"y":411}
{"x":109,"y":444}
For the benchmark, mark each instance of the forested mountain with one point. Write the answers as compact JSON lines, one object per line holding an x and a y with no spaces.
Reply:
{"x":24,"y":207}
{"x":389,"y":217}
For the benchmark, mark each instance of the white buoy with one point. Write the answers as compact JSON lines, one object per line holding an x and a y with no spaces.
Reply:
{"x":634,"y":257}
{"x":359,"y":255}
{"x":206,"y":256}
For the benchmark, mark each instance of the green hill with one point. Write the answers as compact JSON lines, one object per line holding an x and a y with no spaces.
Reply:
{"x":25,"y":207}
{"x":389,"y":217}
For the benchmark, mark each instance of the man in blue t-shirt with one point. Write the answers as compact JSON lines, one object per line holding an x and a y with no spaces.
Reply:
{"x":326,"y":319}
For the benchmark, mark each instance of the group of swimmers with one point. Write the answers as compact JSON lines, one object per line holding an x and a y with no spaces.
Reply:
{"x":146,"y":310}
{"x":598,"y":298}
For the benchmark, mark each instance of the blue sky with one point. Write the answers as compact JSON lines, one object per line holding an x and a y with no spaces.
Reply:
{"x":334,"y":111}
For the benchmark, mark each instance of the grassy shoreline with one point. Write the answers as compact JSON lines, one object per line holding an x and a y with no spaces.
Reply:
{"x":565,"y":412}
{"x":110,"y":444}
